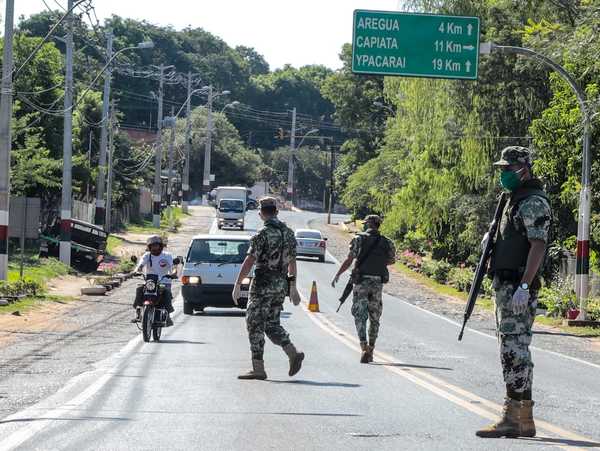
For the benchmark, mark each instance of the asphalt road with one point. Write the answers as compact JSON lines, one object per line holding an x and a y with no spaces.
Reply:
{"x":424,"y":390}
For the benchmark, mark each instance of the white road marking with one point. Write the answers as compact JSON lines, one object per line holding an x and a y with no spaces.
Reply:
{"x":39,"y":418}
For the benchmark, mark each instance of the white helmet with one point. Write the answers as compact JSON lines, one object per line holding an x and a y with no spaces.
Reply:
{"x":155,"y":239}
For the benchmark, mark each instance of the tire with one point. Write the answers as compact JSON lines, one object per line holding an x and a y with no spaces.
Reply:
{"x":188,"y":309}
{"x":242,"y":227}
{"x":156,"y":333}
{"x":322,"y":259}
{"x":219,"y":226}
{"x":147,"y":319}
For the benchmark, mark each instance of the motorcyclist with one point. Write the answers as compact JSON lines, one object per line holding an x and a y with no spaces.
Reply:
{"x":156,"y":261}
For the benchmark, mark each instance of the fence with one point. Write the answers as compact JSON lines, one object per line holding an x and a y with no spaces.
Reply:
{"x":568,"y":267}
{"x":83,"y":211}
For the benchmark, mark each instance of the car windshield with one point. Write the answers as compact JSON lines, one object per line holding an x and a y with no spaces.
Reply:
{"x":308,"y":234}
{"x":232,"y":205}
{"x":218,"y":251}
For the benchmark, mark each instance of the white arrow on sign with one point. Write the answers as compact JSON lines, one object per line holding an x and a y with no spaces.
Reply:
{"x":468,"y":64}
{"x":468,"y":47}
{"x":469,"y":29}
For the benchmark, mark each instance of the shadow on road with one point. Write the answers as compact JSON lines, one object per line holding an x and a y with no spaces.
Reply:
{"x":317,"y":383}
{"x":562,"y":442}
{"x":183,"y":342}
{"x":223,"y":313}
{"x":563,"y":334}
{"x":408,"y":366}
{"x":29,"y":420}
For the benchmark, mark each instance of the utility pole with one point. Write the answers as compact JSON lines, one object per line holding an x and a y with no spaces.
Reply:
{"x":290,"y":184}
{"x":158,"y":153}
{"x":170,"y":161}
{"x":100,"y":203}
{"x":185,"y":182}
{"x":207,"y":151}
{"x":67,"y":188}
{"x":89,"y":155}
{"x":5,"y":134}
{"x":109,"y":184}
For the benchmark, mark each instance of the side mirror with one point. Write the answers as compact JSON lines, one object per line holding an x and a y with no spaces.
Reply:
{"x":134,"y":259}
{"x":324,"y":239}
{"x":178,"y":260}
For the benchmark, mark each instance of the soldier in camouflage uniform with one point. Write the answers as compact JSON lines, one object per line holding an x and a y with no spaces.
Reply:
{"x":273,"y":251}
{"x":519,"y":250}
{"x":369,"y":276}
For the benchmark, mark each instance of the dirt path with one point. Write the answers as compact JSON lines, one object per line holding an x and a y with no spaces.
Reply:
{"x":46,"y":346}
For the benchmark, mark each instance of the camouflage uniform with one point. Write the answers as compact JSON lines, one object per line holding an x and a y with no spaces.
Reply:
{"x":514,"y":331}
{"x":269,"y":286}
{"x":367,"y":294}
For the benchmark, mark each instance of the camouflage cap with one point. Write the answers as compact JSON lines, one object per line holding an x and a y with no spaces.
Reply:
{"x":267,"y":202}
{"x":514,"y":155}
{"x":373,"y":219}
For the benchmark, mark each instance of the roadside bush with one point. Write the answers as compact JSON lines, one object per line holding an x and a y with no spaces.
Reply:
{"x":461,"y":278}
{"x":594,"y":309}
{"x":25,"y":287}
{"x":411,"y":259}
{"x":437,"y":270}
{"x":558,"y":298}
{"x":415,"y":241}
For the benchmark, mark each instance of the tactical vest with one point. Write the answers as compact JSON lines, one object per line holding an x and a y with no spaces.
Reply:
{"x":376,"y":262}
{"x":512,"y":245}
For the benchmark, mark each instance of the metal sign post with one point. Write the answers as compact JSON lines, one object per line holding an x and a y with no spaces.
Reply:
{"x":415,"y":45}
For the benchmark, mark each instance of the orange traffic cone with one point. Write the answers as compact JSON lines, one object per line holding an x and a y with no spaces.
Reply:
{"x":313,"y":305}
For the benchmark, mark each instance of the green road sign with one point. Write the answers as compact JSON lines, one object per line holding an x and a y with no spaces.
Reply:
{"x":415,"y":45}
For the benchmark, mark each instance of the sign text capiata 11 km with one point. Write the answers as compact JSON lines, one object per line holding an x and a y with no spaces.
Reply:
{"x":415,"y":45}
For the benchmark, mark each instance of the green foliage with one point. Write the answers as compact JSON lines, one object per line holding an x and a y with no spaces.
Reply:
{"x":461,"y":278}
{"x":558,"y":299}
{"x":25,"y":287}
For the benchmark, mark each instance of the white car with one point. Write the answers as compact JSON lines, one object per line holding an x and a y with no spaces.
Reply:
{"x":210,"y":270}
{"x":311,"y":243}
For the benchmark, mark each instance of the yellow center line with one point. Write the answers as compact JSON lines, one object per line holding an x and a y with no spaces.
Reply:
{"x":452,"y":393}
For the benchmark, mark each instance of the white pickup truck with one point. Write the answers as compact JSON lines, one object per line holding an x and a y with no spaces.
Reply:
{"x":230,"y":202}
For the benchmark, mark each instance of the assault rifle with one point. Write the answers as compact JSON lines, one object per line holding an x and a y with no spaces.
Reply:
{"x":480,"y":271}
{"x":347,"y":290}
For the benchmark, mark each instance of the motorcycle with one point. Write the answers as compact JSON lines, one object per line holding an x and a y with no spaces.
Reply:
{"x":154,"y":315}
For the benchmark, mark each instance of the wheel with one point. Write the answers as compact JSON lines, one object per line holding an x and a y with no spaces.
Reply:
{"x":242,"y":227}
{"x":322,"y":258}
{"x":156,"y":333}
{"x":188,"y":309}
{"x":147,"y":319}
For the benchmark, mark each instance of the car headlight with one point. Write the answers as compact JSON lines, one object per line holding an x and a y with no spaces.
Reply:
{"x":150,"y":285}
{"x":246,"y":281}
{"x":191,"y":280}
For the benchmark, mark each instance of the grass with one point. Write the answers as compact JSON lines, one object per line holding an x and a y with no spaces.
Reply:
{"x":37,"y":269}
{"x":32,"y":303}
{"x":579,"y":331}
{"x":40,"y":271}
{"x":112,"y":244}
{"x":170,"y":217}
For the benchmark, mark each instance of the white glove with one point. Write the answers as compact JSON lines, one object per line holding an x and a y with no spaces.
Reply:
{"x":520,"y":301}
{"x":335,"y":280}
{"x":235,"y":294}
{"x":294,"y":295}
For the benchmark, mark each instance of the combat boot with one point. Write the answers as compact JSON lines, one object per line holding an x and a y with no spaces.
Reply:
{"x":370,"y":350}
{"x":364,"y":357}
{"x":508,"y":426}
{"x":526,"y":415}
{"x":257,"y":372}
{"x":295,"y":357}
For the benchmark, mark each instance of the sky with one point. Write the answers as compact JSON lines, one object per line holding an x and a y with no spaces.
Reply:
{"x":283,"y":31}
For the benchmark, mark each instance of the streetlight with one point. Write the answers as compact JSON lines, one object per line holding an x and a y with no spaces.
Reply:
{"x":233,"y":104}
